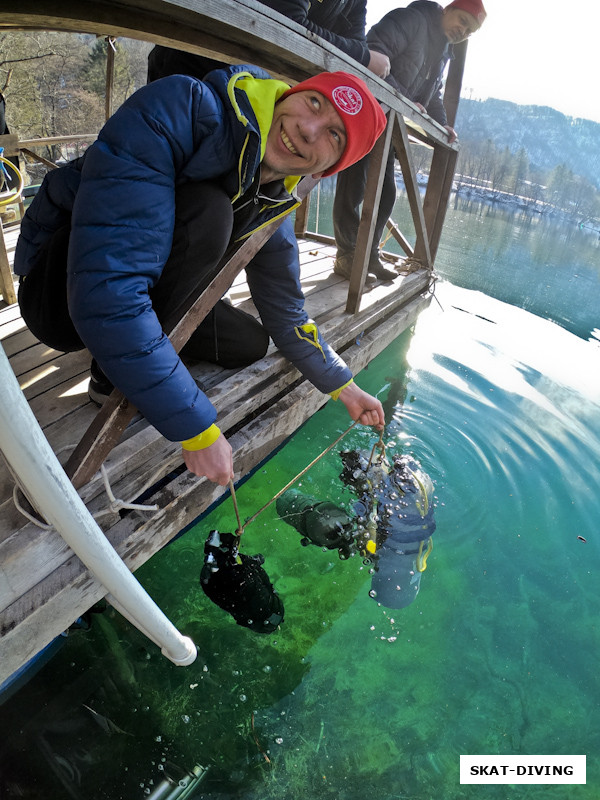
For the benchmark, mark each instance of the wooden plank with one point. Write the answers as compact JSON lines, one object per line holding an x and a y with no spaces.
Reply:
{"x":422,"y":250}
{"x":364,"y":239}
{"x":400,"y":238}
{"x":26,"y":352}
{"x":8,"y":314}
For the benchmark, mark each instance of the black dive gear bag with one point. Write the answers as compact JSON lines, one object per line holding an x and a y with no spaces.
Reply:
{"x":239,"y":585}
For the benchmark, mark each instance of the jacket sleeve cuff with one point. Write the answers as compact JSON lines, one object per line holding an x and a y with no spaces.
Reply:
{"x":203,"y":440}
{"x":336,"y":392}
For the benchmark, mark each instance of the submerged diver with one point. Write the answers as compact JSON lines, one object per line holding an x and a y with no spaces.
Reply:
{"x":391,"y":524}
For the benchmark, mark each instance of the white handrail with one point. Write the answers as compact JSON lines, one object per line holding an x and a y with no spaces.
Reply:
{"x":42,"y":477}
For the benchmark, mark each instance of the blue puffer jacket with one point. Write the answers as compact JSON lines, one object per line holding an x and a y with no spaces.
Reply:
{"x":172,"y":131}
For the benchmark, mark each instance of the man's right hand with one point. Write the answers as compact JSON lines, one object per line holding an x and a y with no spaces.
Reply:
{"x":214,"y":462}
{"x":379,"y":64}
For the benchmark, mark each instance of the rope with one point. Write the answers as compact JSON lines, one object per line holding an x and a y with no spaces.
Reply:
{"x":379,"y":445}
{"x":115,"y":503}
{"x":13,"y":194}
{"x":241,"y":528}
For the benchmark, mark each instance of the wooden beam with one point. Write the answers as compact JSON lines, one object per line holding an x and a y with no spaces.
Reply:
{"x":439,"y":186}
{"x":364,"y":240}
{"x":454,"y":81}
{"x":110,"y":76}
{"x":301,"y":220}
{"x":400,"y":238}
{"x":402,"y":148}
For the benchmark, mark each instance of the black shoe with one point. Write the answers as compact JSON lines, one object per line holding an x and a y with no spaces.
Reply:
{"x":343,"y":266}
{"x":377,"y":269}
{"x":100,"y":387}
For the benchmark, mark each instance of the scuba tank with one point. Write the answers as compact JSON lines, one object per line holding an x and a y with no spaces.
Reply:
{"x":319,"y":522}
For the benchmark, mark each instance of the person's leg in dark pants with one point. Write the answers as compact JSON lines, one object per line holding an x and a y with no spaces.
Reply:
{"x":349,"y":195}
{"x":203,"y":227}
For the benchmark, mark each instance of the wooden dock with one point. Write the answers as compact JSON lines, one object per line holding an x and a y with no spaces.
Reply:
{"x":43,"y":586}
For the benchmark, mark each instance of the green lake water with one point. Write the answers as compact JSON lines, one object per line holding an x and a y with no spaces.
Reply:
{"x":498,"y":654}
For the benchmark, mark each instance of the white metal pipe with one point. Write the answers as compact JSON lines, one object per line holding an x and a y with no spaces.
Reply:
{"x":42,"y":477}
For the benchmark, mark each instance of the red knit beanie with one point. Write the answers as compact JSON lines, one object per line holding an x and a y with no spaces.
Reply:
{"x":360,"y":112}
{"x":473,"y":7}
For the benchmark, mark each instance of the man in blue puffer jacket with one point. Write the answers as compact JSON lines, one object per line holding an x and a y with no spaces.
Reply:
{"x":114,"y":242}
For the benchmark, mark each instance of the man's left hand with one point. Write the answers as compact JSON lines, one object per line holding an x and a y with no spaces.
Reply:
{"x":362,"y":407}
{"x":452,"y":135}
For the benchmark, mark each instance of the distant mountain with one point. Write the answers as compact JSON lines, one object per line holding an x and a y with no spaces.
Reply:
{"x":549,"y":137}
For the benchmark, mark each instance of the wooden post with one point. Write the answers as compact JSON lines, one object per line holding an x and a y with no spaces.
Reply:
{"x":301,"y":221}
{"x":439,"y":186}
{"x":454,"y":81}
{"x":110,"y":75}
{"x":364,"y":240}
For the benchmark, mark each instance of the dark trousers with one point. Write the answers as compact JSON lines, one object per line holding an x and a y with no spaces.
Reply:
{"x":202,"y":233}
{"x":349,"y":194}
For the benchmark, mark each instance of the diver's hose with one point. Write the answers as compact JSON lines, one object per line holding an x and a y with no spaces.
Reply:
{"x":13,"y":194}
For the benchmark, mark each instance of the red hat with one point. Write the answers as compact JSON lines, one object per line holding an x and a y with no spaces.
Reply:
{"x":360,"y":112}
{"x":473,"y":7}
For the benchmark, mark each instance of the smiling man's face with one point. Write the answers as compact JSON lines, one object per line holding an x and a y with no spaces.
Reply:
{"x":306,"y":137}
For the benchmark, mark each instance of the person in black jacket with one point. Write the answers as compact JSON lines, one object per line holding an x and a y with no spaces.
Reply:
{"x":339,"y":22}
{"x":418,"y":41}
